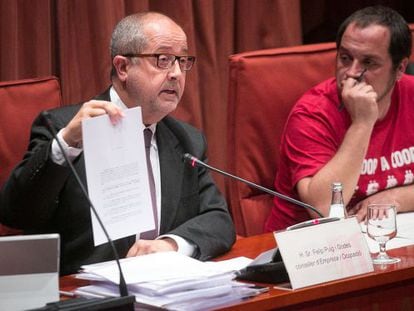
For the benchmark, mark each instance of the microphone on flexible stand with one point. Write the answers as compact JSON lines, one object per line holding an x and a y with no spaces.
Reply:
{"x":268,"y":267}
{"x":123,"y":289}
{"x":194,"y":162}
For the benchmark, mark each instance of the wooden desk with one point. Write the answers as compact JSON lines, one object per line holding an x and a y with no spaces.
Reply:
{"x":387,"y":288}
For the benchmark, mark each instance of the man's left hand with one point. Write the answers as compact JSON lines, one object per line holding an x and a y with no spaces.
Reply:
{"x":361,"y":209}
{"x":143,"y":247}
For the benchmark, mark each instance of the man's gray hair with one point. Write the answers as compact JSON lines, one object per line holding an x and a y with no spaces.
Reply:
{"x":129,"y":35}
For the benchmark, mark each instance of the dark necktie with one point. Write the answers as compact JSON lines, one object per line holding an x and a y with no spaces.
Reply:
{"x":149,"y":235}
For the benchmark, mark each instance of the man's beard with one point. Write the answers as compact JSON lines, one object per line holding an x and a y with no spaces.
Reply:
{"x":389,"y":87}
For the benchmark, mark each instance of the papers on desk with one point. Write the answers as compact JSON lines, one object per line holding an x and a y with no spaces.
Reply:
{"x":405,"y":233}
{"x":170,"y":280}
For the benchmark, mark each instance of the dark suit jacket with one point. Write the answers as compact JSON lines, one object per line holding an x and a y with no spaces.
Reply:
{"x":42,"y":197}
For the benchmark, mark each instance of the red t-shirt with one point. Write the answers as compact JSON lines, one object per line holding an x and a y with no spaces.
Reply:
{"x":315,"y":130}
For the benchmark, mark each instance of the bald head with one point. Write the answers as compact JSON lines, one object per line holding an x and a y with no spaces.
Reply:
{"x":132,"y":33}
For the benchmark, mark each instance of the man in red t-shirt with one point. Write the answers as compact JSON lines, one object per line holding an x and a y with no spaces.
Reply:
{"x":356,"y":128}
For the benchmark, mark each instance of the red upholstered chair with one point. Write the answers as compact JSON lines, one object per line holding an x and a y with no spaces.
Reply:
{"x":20,"y":102}
{"x":263,"y":86}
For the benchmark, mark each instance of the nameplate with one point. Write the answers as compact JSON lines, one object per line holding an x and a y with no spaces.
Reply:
{"x":325,"y":252}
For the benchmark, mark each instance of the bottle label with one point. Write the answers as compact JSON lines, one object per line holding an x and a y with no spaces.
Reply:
{"x":337,"y":210}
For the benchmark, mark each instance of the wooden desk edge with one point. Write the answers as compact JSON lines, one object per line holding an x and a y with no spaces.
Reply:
{"x":278,"y":298}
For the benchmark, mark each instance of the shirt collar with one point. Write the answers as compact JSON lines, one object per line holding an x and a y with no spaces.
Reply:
{"x":113,"y":95}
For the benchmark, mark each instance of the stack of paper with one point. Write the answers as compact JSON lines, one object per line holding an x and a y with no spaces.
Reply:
{"x":171,"y":280}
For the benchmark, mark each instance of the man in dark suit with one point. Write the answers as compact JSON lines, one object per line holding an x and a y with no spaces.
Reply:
{"x":150,"y":59}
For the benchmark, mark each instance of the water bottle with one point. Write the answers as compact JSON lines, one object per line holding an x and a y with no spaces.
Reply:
{"x":337,"y":208}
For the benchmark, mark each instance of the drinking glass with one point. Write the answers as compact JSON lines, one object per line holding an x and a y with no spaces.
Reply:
{"x":381,"y":226}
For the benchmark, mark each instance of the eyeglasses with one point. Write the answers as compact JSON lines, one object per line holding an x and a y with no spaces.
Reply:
{"x":166,"y":61}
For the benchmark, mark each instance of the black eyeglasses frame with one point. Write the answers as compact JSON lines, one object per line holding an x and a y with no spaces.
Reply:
{"x":189,"y":58}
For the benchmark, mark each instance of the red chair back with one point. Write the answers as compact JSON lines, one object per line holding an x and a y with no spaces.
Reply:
{"x":20,"y":102}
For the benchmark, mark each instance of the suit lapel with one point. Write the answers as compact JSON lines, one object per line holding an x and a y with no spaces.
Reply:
{"x":171,"y":167}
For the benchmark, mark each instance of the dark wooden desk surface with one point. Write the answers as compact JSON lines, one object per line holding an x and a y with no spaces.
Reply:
{"x":387,"y":288}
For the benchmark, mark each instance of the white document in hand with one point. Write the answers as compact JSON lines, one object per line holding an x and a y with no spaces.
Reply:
{"x":117,"y":175}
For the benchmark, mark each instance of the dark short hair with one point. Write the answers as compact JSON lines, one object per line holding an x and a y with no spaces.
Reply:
{"x":400,"y":39}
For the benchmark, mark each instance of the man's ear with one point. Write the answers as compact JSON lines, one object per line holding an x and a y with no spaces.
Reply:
{"x":402,"y":68}
{"x":121,"y":64}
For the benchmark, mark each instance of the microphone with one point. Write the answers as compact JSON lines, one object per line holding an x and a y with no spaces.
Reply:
{"x":268,"y":267}
{"x":123,"y":289}
{"x":194,"y":162}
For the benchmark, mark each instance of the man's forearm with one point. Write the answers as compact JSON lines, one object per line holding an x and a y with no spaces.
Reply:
{"x":404,"y":196}
{"x":344,"y":167}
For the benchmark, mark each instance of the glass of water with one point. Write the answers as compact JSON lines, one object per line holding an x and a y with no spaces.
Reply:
{"x":382,"y":227}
